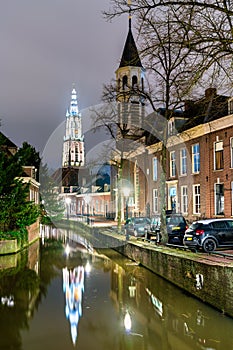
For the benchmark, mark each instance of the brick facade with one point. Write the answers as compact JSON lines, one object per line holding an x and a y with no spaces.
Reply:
{"x":209,"y":178}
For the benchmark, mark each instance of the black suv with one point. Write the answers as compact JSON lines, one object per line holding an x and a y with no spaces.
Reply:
{"x":209,"y":234}
{"x":176,"y":226}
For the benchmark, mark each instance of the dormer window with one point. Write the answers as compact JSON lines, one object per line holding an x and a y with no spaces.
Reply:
{"x":171,"y":127}
{"x":230,"y":106}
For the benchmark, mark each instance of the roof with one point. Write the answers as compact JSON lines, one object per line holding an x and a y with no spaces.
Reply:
{"x":6,"y":142}
{"x":211,"y":107}
{"x":130,"y":56}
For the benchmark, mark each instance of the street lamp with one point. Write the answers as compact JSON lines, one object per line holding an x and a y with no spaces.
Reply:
{"x":87,"y":200}
{"x":68,"y":201}
{"x":126,"y":192}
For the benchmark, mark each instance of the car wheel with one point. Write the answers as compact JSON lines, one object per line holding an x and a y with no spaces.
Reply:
{"x":209,"y":245}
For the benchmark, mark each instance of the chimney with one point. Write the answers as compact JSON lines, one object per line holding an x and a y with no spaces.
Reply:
{"x":210,"y":92}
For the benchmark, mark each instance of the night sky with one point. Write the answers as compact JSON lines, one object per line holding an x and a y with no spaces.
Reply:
{"x":46,"y":46}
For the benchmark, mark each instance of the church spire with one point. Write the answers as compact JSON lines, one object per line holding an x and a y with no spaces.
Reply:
{"x":73,"y":103}
{"x":130,"y":56}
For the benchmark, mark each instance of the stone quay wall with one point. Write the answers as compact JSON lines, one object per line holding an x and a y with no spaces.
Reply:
{"x":12,"y":246}
{"x":208,"y":279}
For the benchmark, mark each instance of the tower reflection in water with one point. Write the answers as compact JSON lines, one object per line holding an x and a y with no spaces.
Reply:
{"x":73,"y":288}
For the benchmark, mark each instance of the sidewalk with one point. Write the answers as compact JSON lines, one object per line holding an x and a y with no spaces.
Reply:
{"x":102,"y":222}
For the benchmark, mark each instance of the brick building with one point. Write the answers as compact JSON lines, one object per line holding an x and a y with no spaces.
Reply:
{"x":199,"y":161}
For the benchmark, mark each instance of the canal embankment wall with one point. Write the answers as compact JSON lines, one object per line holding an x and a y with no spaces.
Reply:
{"x":12,"y":246}
{"x":208,"y":278}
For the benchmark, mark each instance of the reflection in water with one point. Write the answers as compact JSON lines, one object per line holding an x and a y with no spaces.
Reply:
{"x":127,"y":322}
{"x":158,"y":305}
{"x":8,"y":301}
{"x":73,"y":287}
{"x":109,"y":302}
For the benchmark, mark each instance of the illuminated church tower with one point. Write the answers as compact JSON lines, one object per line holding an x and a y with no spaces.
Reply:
{"x":73,"y":155}
{"x":73,"y":144}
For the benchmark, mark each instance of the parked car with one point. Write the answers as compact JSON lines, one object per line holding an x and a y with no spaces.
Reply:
{"x":209,"y":234}
{"x":135,"y":226}
{"x":176,"y":227}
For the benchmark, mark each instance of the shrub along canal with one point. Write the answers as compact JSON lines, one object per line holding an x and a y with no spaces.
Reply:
{"x":60,"y":294}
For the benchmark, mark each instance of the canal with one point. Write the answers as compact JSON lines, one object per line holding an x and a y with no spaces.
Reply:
{"x":60,"y":294}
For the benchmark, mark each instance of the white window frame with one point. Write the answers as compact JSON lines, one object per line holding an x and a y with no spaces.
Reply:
{"x":183,"y":161}
{"x":195,"y":159}
{"x":215,"y":199}
{"x":155,"y":201}
{"x":172,"y":164}
{"x":231,"y":150}
{"x":184,"y":199}
{"x":171,"y":127}
{"x":196,"y":199}
{"x":155,"y":168}
{"x":218,"y":147}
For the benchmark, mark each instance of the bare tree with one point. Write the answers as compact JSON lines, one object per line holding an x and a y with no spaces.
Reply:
{"x":209,"y":33}
{"x":121,"y":144}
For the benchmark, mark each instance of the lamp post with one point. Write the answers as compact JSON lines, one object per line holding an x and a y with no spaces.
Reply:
{"x":126,"y":192}
{"x":68,"y":201}
{"x":87,"y":200}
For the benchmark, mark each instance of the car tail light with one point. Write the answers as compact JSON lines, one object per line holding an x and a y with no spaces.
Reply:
{"x":199,"y":232}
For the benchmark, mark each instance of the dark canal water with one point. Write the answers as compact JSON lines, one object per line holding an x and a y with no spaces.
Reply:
{"x":52,"y":298}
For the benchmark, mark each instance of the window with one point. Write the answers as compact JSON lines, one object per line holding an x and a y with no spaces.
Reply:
{"x":183,"y":161}
{"x":76,"y":153}
{"x":171,"y":127}
{"x":172,"y":163}
{"x":142,"y":82}
{"x":184,"y":199}
{"x":230,"y":106}
{"x":229,"y":223}
{"x":196,"y":199}
{"x":218,"y":155}
{"x":134,"y":81}
{"x":155,"y":169}
{"x":219,"y":199}
{"x":155,"y":200}
{"x":219,"y":224}
{"x":196,"y":158}
{"x":231,"y":150}
{"x":125,"y":82}
{"x":232,"y":198}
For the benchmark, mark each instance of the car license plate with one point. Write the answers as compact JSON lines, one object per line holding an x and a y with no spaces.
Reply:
{"x":189,"y":238}
{"x":175,"y":228}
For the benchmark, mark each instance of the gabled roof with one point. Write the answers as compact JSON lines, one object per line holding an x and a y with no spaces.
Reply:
{"x":130,"y":56}
{"x":6,"y":142}
{"x":211,"y":107}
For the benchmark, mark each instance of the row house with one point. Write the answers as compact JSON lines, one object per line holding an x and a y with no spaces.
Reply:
{"x":199,"y":164}
{"x":29,"y":172}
